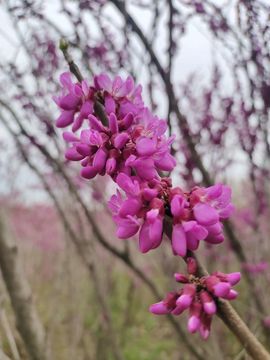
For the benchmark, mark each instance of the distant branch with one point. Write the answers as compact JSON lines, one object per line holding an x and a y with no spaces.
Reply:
{"x":63,"y":46}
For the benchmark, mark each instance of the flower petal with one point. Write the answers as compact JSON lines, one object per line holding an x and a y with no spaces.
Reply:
{"x":205,"y":214}
{"x":179,"y":240}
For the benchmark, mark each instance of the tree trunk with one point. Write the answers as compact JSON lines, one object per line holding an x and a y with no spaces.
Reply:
{"x":27,"y":320}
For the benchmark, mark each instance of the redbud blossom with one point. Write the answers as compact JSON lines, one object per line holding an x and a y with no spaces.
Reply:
{"x":133,"y":140}
{"x":199,"y":296}
{"x":132,"y":148}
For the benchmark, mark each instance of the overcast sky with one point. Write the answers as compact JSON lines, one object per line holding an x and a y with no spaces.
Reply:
{"x":195,"y":53}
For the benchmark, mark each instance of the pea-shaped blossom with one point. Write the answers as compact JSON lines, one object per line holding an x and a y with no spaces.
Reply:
{"x":76,"y":102}
{"x":119,"y":96}
{"x":132,"y":140}
{"x":77,"y":99}
{"x":145,"y":205}
{"x":199,"y":296}
{"x":142,"y":209}
{"x":101,"y":149}
{"x":197,"y":216}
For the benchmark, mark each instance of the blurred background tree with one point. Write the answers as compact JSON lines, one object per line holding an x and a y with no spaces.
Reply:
{"x":204,"y":66}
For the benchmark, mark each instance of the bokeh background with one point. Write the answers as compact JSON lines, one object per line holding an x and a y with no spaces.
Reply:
{"x":89,"y":290}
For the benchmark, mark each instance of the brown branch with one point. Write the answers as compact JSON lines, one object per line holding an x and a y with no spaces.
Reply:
{"x":233,"y":321}
{"x":28,"y":322}
{"x":63,"y":46}
{"x":237,"y":326}
{"x":9,"y":335}
{"x":229,"y":316}
{"x":170,"y":57}
{"x":3,"y":356}
{"x":98,"y":107}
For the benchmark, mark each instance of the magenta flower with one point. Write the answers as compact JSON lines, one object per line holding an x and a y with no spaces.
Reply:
{"x":101,"y":149}
{"x":143,"y":206}
{"x":187,"y":236}
{"x":197,"y":216}
{"x":212,"y":203}
{"x":151,"y":141}
{"x":127,"y":223}
{"x":128,"y":143}
{"x":76,"y":99}
{"x":134,"y":143}
{"x":151,"y":231}
{"x":199,"y":296}
{"x":146,"y":201}
{"x":133,"y":140}
{"x":119,"y":95}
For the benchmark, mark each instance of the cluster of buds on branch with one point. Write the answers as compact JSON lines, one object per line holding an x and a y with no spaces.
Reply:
{"x":120,"y":136}
{"x":195,"y":215}
{"x":131,"y":140}
{"x":199,"y":296}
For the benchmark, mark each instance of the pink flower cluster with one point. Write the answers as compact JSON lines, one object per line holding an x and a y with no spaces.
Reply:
{"x":198,"y":215}
{"x":114,"y":133}
{"x":195,"y":215}
{"x":132,"y":140}
{"x":132,"y":148}
{"x":143,"y":208}
{"x":199,"y":296}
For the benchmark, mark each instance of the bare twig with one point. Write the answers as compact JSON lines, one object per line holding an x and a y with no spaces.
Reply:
{"x":63,"y":45}
{"x":98,"y":107}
